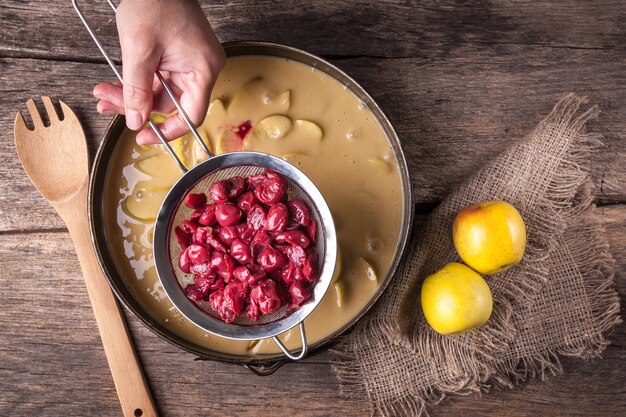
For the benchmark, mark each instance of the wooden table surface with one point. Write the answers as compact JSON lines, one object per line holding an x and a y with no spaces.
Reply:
{"x":459,"y":81}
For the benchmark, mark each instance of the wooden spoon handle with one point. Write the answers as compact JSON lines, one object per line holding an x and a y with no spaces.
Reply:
{"x":131,"y":386}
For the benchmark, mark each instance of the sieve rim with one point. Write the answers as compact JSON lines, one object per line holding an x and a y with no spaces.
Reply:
{"x":165,"y":269}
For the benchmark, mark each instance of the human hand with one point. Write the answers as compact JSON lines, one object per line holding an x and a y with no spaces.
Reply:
{"x":174,"y":37}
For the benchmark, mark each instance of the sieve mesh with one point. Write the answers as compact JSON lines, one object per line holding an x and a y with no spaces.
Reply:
{"x":183,"y":212}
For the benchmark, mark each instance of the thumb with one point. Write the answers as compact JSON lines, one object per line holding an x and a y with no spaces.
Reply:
{"x":139,"y":64}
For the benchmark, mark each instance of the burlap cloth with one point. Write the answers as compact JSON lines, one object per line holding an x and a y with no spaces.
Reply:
{"x":560,"y":300}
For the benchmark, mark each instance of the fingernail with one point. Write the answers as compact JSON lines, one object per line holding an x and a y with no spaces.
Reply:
{"x":140,"y":140}
{"x":143,"y":138}
{"x":103,"y":109}
{"x":133,"y":119}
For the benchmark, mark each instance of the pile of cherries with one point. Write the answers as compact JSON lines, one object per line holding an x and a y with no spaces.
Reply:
{"x":250,"y":250}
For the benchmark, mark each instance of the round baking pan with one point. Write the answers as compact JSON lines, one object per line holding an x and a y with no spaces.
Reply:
{"x":259,"y":364}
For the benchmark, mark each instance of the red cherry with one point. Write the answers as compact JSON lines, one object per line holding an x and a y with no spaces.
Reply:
{"x":296,"y":255}
{"x":198,"y":253}
{"x":207,"y":217}
{"x":195,"y":292}
{"x":216,"y":244}
{"x":299,"y":212}
{"x":310,"y":267}
{"x":288,"y":273}
{"x":189,"y":226}
{"x":246,"y":201}
{"x":226,"y":234}
{"x":204,"y":282}
{"x":218,"y":283}
{"x":256,"y":217}
{"x":202,"y":270}
{"x":201,"y":234}
{"x":240,"y":251}
{"x":270,"y":259}
{"x":244,"y":231}
{"x":216,"y":300}
{"x":227,"y":214}
{"x":257,"y":272}
{"x":183,"y":238}
{"x":267,"y":296}
{"x":272,"y":189}
{"x":311,"y":230}
{"x":255,"y":181}
{"x":236,"y":186}
{"x":196,"y":201}
{"x":223,"y":265}
{"x":234,"y":296}
{"x":230,"y":264}
{"x":253,"y":311}
{"x":260,"y":240}
{"x":277,"y":217}
{"x":248,"y":274}
{"x":294,"y":237}
{"x":184,"y":263}
{"x":300,"y":292}
{"x":219,"y":192}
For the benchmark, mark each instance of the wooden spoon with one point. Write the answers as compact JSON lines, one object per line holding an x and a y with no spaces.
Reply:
{"x":56,"y":161}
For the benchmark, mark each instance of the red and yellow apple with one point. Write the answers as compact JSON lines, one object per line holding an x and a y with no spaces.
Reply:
{"x":490,"y":237}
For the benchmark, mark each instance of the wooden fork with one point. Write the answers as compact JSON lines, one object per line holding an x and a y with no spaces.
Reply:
{"x":56,"y":161}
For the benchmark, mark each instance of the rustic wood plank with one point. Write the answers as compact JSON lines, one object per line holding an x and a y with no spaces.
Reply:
{"x":52,"y":363}
{"x":466,"y":80}
{"x":388,"y":28}
{"x":457,"y":112}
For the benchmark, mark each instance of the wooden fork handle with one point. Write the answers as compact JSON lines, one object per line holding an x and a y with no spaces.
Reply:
{"x":130,"y":383}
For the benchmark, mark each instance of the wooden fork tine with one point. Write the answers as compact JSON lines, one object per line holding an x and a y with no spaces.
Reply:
{"x":34,"y":114}
{"x":19,"y":124}
{"x":67,"y":112}
{"x":52,"y":112}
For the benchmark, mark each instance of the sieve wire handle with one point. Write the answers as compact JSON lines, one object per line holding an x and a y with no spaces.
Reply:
{"x":286,"y":351}
{"x":166,"y":87}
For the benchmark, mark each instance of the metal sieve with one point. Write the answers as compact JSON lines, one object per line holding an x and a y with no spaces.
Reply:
{"x":166,"y":248}
{"x":198,"y":179}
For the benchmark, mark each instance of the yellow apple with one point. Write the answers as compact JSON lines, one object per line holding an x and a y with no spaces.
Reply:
{"x":490,"y":237}
{"x":456,"y":299}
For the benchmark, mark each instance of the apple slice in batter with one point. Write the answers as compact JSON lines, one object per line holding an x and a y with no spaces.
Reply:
{"x":143,"y":204}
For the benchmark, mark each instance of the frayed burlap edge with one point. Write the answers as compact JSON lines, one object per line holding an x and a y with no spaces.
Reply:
{"x":570,"y":183}
{"x":585,"y":241}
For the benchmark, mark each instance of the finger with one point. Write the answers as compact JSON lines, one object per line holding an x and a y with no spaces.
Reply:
{"x":147,"y":136}
{"x":195,"y":99}
{"x":113,"y":93}
{"x":170,"y":129}
{"x":162,"y":102}
{"x":139,"y":62}
{"x":105,"y":107}
{"x":110,"y":92}
{"x":156,"y":83}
